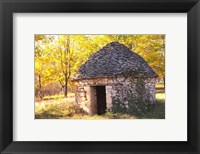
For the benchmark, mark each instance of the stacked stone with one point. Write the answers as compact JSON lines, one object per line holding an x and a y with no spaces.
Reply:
{"x":122,"y":91}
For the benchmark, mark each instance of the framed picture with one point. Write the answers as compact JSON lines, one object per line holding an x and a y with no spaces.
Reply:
{"x":99,"y":76}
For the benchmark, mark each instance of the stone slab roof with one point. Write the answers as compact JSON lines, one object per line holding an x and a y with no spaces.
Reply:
{"x":113,"y":60}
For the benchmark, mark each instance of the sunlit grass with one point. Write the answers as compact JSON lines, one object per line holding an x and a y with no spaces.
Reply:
{"x":58,"y":96}
{"x":160,"y":96}
{"x":58,"y":107}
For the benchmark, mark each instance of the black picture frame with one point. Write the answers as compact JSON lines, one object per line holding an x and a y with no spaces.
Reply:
{"x":8,"y":7}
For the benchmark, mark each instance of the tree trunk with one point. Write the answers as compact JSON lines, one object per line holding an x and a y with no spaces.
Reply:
{"x":66,"y":89}
{"x":40,"y":88}
{"x":164,"y":81}
{"x":67,"y":61}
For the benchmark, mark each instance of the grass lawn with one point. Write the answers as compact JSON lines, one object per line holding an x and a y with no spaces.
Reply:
{"x":58,"y":107}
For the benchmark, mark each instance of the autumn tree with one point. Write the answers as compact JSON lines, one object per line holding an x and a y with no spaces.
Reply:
{"x":68,"y":52}
{"x":42,"y":63}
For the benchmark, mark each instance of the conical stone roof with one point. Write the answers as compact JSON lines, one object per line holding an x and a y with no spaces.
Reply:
{"x":113,"y":60}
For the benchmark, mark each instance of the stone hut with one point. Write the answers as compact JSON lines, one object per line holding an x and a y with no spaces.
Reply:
{"x":115,"y":79}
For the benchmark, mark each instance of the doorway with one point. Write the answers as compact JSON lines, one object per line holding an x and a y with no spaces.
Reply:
{"x":101,"y":99}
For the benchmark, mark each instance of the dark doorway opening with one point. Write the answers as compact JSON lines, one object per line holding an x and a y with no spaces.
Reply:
{"x":101,"y":100}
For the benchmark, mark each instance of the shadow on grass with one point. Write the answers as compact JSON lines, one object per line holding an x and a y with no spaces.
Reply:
{"x":157,"y":112}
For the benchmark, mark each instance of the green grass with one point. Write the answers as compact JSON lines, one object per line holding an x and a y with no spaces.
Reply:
{"x":58,"y":107}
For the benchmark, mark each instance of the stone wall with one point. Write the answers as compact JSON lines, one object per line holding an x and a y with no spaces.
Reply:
{"x":122,"y":94}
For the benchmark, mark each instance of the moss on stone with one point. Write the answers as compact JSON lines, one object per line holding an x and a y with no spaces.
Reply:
{"x":136,"y":103}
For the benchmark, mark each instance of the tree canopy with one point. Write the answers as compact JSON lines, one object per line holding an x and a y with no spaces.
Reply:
{"x":58,"y":57}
